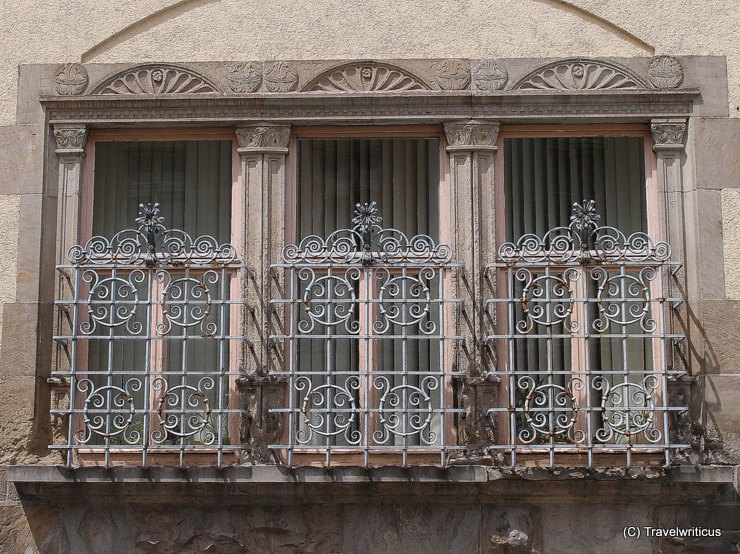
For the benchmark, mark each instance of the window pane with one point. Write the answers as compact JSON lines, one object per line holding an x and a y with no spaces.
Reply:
{"x":544,"y":176}
{"x":401,"y":175}
{"x":191,"y":180}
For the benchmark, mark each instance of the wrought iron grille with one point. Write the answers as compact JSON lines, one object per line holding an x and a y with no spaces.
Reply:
{"x":582,"y":336}
{"x":148,"y":341}
{"x":367,"y":336}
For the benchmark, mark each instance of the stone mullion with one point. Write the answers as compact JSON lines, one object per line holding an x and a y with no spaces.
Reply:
{"x":70,"y":150}
{"x":263,"y":150}
{"x":471,"y":147}
{"x":668,"y":137}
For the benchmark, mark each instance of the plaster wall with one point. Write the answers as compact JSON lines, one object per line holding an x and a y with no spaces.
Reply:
{"x":9,"y":220}
{"x":130,"y":30}
{"x":731,"y":235}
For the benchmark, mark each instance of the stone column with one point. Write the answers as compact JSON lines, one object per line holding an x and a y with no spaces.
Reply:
{"x":668,"y":136}
{"x":70,"y":148}
{"x":472,"y":147}
{"x":668,"y":145}
{"x":263,"y":149}
{"x":70,"y":151}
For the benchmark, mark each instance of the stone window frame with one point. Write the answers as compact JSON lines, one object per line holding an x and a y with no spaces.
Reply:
{"x":84,"y":206}
{"x":471,"y":119}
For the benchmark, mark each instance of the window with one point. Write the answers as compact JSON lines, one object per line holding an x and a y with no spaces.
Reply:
{"x":368,"y":327}
{"x":152,"y":300}
{"x":581,"y":335}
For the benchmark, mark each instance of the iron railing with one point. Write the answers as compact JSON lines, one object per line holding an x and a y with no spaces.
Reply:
{"x":367,"y":336}
{"x":581,"y":330}
{"x":148,"y":342}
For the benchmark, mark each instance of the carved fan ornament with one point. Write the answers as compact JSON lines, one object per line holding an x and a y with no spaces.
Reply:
{"x":156,"y":79}
{"x":580,"y":75}
{"x":70,"y":78}
{"x":365,"y":77}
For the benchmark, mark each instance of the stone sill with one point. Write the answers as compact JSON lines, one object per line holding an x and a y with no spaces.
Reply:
{"x":280,"y":485}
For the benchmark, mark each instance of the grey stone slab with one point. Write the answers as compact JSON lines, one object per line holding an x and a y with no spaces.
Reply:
{"x":583,"y":529}
{"x":97,"y":528}
{"x":21,"y":159}
{"x":279,"y":529}
{"x":717,"y":151}
{"x":721,"y":524}
{"x":33,"y":80}
{"x":30,"y":228}
{"x":410,"y":528}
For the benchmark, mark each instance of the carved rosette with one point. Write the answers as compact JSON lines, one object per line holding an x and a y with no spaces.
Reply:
{"x":581,"y":74}
{"x":489,"y":75}
{"x":70,"y":140}
{"x":280,"y":77}
{"x":668,"y":134}
{"x":263,"y":138}
{"x":472,"y":135}
{"x":452,"y":75}
{"x":365,"y":77}
{"x":245,"y":77}
{"x":665,"y":72}
{"x":156,"y":79}
{"x":71,"y":79}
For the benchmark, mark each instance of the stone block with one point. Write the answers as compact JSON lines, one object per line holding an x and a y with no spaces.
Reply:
{"x":280,"y":529}
{"x":18,"y":348}
{"x":705,"y":246}
{"x":15,"y":534}
{"x":410,"y":528}
{"x":583,"y":528}
{"x":721,"y":520}
{"x":21,"y":159}
{"x":16,"y":413}
{"x":29,"y":246}
{"x":510,"y":530}
{"x":719,"y":396}
{"x":715,"y":337}
{"x":97,"y":528}
{"x":717,"y":150}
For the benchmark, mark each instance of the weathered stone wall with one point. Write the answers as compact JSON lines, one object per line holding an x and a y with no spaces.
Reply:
{"x":201,"y":30}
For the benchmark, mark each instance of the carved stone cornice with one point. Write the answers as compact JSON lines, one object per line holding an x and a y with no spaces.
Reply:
{"x":472,"y":135}
{"x":413,"y":106}
{"x":668,"y":134}
{"x":263,"y":139}
{"x":70,"y":139}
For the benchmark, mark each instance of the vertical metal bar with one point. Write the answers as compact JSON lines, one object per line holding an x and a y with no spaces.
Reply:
{"x":292,"y":314}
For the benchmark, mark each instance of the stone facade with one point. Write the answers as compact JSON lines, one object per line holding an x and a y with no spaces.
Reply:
{"x":470,"y":74}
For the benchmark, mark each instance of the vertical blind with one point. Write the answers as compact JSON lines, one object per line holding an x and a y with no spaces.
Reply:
{"x":543,"y":178}
{"x":402,"y":176}
{"x":191,"y":180}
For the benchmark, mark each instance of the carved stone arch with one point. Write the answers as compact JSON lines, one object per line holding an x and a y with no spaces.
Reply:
{"x":581,"y":74}
{"x":156,"y":79}
{"x":365,"y":77}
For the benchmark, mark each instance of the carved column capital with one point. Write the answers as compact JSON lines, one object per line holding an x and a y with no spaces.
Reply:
{"x":265,"y":138}
{"x":471,"y":135}
{"x":668,"y":134}
{"x":70,"y":139}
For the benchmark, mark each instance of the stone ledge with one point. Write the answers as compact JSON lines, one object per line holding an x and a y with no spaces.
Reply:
{"x":280,"y":485}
